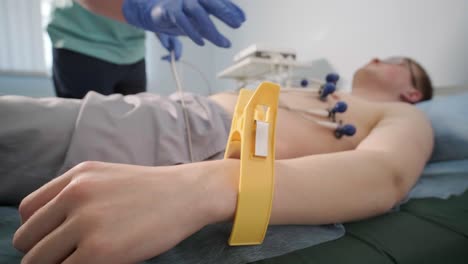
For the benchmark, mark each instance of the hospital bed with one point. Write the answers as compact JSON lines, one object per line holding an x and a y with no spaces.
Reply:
{"x":425,"y":230}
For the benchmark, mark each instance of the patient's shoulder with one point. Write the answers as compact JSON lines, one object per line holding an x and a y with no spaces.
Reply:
{"x":406,"y":122}
{"x":404,"y":111}
{"x":384,"y":110}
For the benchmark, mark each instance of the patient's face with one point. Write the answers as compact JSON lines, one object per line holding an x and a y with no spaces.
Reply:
{"x":394,"y":77}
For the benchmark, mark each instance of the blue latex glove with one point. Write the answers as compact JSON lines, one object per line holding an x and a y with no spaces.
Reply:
{"x":171,"y":43}
{"x":184,"y":17}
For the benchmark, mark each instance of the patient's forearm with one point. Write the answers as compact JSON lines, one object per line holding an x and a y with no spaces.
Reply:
{"x":326,"y":188}
{"x":334,"y":188}
{"x":108,"y":8}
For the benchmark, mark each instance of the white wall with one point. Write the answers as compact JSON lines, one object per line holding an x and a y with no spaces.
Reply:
{"x":349,"y":33}
{"x":20,"y":37}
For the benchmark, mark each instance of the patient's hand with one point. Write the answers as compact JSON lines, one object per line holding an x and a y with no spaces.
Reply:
{"x":114,"y":213}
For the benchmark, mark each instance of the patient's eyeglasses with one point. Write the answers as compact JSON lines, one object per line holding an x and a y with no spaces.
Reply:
{"x":404,"y":62}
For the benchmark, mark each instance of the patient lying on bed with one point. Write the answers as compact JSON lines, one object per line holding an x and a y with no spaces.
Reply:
{"x":90,"y":211}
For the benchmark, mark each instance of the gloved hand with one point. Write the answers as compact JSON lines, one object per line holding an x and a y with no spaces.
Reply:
{"x":171,"y":43}
{"x":184,"y":17}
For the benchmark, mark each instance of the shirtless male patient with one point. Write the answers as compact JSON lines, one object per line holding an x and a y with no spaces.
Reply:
{"x":98,"y":211}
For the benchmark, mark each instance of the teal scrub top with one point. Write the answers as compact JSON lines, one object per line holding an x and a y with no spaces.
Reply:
{"x":75,"y":28}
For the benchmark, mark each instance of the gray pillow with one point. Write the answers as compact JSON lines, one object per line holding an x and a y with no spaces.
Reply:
{"x":449,"y":118}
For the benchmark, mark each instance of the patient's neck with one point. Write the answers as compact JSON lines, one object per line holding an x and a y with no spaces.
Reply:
{"x":373,"y":94}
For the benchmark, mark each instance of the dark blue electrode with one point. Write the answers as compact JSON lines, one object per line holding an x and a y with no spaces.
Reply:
{"x":332,"y":77}
{"x":340,"y":107}
{"x":345,"y":130}
{"x":328,"y":89}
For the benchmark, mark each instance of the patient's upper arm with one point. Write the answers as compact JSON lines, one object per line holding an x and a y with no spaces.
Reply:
{"x":404,"y":136}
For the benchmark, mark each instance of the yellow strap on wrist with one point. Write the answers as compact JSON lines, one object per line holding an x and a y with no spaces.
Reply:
{"x":253,"y":137}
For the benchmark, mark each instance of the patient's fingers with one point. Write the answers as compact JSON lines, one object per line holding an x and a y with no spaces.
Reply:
{"x":43,"y":195}
{"x":55,"y":247}
{"x":83,"y":254}
{"x":74,"y":258}
{"x":44,"y":221}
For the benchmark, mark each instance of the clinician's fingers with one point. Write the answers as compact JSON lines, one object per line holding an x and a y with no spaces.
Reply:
{"x":183,"y":23}
{"x":166,"y":58}
{"x":43,"y":222}
{"x":164,"y":39}
{"x":206,"y":27}
{"x":171,"y":43}
{"x":55,"y":247}
{"x":43,"y":195}
{"x":239,"y":11}
{"x":225,"y":11}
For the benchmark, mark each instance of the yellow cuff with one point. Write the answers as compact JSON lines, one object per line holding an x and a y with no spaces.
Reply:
{"x":253,"y":136}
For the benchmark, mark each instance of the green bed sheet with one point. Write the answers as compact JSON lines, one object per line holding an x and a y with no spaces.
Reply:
{"x":422,"y":231}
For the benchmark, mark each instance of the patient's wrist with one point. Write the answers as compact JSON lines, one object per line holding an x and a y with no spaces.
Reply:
{"x":222,"y":181}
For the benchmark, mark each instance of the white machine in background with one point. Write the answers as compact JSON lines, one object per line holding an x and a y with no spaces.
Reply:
{"x":261,"y":51}
{"x":260,"y":63}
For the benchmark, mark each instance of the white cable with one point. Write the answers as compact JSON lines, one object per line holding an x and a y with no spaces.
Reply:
{"x":184,"y":109}
{"x":299,"y":90}
{"x":327,"y":124}
{"x":195,"y":68}
{"x":316,"y":112}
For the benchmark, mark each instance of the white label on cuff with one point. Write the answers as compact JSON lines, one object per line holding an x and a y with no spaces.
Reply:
{"x":261,"y":138}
